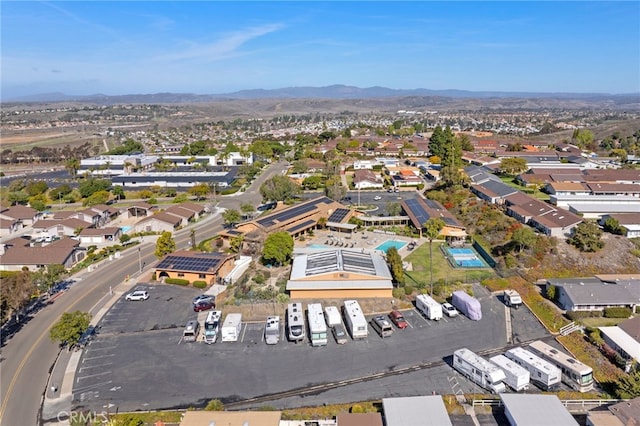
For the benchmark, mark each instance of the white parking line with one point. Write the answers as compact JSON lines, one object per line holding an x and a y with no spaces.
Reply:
{"x":95,"y":366}
{"x":419,"y":315}
{"x":92,"y":375}
{"x":96,"y":357}
{"x":244,"y":331}
{"x":100,"y":349}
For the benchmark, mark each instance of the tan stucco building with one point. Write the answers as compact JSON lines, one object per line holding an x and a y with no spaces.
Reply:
{"x":196,"y":266}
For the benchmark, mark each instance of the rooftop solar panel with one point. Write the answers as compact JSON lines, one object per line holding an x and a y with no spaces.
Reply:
{"x":293,"y":211}
{"x":188,"y":263}
{"x":301,"y":226}
{"x":338,"y":215}
{"x":418,"y":211}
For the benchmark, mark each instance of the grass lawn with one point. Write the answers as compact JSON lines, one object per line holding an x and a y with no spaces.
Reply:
{"x":529,"y":191}
{"x":600,"y":321}
{"x":420,"y":276}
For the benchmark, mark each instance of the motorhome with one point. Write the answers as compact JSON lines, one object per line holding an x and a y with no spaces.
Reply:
{"x":191,"y":330}
{"x":542,"y":373}
{"x":468,"y":305}
{"x":272,"y":330}
{"x":332,"y":314}
{"x":429,"y":307}
{"x":576,"y":374}
{"x":295,"y":322}
{"x":479,"y":370}
{"x":231,"y":328}
{"x":354,"y":320}
{"x":382,"y":326}
{"x":512,"y":298}
{"x":517,"y":377}
{"x":317,"y":325}
{"x":211,"y":326}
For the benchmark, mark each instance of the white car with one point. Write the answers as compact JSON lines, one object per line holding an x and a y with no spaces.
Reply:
{"x":137,"y":295}
{"x":450,"y":310}
{"x":377,"y":197}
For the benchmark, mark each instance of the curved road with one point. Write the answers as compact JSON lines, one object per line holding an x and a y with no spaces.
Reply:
{"x":28,"y":357}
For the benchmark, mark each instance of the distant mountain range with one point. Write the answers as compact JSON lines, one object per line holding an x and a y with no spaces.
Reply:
{"x":328,"y":92}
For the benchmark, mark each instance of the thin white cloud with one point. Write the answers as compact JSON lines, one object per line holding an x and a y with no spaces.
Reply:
{"x":89,"y":24}
{"x":222,"y":48}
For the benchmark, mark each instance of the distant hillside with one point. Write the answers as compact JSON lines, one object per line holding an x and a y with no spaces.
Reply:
{"x":342,"y":92}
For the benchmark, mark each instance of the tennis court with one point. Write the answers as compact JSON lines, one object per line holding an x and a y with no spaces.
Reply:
{"x":465,"y":257}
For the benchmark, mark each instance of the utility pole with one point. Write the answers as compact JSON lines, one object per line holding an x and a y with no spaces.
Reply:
{"x":139,"y":261}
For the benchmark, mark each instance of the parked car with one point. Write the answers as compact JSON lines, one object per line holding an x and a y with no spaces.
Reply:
{"x":339,"y":334}
{"x":203,"y":305}
{"x":204,"y":298}
{"x":398,"y":319}
{"x":449,"y":310}
{"x":377,"y":198}
{"x":137,"y":295}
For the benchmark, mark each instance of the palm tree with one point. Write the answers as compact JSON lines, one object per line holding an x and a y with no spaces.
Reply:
{"x":72,"y":165}
{"x":432,"y":227}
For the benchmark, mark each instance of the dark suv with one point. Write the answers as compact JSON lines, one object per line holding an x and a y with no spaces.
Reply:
{"x":203,"y":305}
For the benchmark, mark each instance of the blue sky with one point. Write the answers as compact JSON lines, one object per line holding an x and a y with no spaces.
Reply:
{"x":88,"y":47}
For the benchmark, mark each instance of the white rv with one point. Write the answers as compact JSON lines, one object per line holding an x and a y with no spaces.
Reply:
{"x":211,"y":326}
{"x":272,"y":330}
{"x":231,"y":328}
{"x":479,"y":370}
{"x":517,"y":377}
{"x":429,"y":307}
{"x":355,"y":320}
{"x":333,"y":316}
{"x":543,"y":374}
{"x":317,"y":325}
{"x":295,"y":322}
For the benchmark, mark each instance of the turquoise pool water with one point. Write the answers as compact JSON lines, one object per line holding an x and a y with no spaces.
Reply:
{"x":317,"y":246}
{"x":125,"y":229}
{"x":391,"y":243}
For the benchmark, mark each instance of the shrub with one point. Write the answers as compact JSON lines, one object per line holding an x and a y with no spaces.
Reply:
{"x":578,"y":315}
{"x":408,"y":290}
{"x":510,"y":261}
{"x":214,"y":405}
{"x":154,"y":277}
{"x":282,"y":298}
{"x":398,"y":293}
{"x":199,"y":284}
{"x":259,"y":278}
{"x":178,"y":281}
{"x":357,"y":409}
{"x":617,"y":312}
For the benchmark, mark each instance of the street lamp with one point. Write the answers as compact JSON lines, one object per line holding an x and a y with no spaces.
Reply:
{"x":139,"y":261}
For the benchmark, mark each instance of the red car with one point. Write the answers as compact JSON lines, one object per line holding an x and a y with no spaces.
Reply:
{"x":203,"y":305}
{"x":398,"y":319}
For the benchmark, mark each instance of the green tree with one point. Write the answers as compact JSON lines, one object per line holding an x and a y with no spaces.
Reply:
{"x":231,"y":216}
{"x":523,"y":237}
{"x":612,"y":225}
{"x":432,"y":228}
{"x":68,"y":330}
{"x":334,"y":188}
{"x":96,"y":198}
{"x":118,"y":192}
{"x":247,"y":208}
{"x":38,"y":202}
{"x":278,"y":248}
{"x":395,"y":265}
{"x":199,"y":191}
{"x":582,"y":137}
{"x":91,"y":185}
{"x":587,"y":236}
{"x":36,"y":188}
{"x":214,"y":405}
{"x":279,"y":188}
{"x":235,"y":243}
{"x":72,"y":165}
{"x":165,"y":244}
{"x":629,"y":386}
{"x":56,"y":194}
{"x":513,"y":165}
{"x":313,"y":182}
{"x":394,"y":209}
{"x":18,"y":197}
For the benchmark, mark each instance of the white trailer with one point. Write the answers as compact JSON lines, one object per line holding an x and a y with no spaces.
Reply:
{"x":542,"y":373}
{"x":429,"y":307}
{"x":317,"y":325}
{"x":272,"y":330}
{"x":512,"y":298}
{"x":211,"y":326}
{"x":517,"y":377}
{"x":355,"y":320}
{"x":231,"y":328}
{"x":479,"y":370}
{"x":333,"y":316}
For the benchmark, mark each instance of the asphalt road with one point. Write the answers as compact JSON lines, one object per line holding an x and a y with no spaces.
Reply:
{"x":147,"y":365}
{"x":29,"y":355}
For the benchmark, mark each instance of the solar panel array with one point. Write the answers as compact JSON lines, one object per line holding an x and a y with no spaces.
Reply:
{"x":417,"y":209}
{"x":292,"y":212}
{"x":318,"y":263}
{"x":301,"y":226}
{"x":338,"y":215}
{"x":190,"y":263}
{"x":358,"y":262}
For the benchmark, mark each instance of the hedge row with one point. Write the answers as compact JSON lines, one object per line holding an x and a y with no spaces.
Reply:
{"x":578,"y":315}
{"x":178,"y":281}
{"x":617,"y":312}
{"x":199,"y":284}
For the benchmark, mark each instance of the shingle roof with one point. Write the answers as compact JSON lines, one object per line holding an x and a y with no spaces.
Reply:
{"x":57,"y":252}
{"x":20,"y":212}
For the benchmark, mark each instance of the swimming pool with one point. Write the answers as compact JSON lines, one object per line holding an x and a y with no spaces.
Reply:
{"x":317,"y":246}
{"x":125,"y":229}
{"x":391,"y":243}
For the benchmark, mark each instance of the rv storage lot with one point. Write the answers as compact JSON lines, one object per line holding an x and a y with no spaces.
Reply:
{"x":138,"y":359}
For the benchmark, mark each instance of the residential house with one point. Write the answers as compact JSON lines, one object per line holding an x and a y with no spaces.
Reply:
{"x":629,"y":223}
{"x":421,"y":209}
{"x":359,"y":419}
{"x":367,"y":179}
{"x":493,"y":191}
{"x":65,"y":252}
{"x":184,"y":214}
{"x":159,"y":222}
{"x":8,"y":226}
{"x":415,"y":410}
{"x":69,"y":227}
{"x":26,"y":216}
{"x":198,"y":209}
{"x":140,"y":209}
{"x":596,"y":293}
{"x":625,"y":339}
{"x":558,"y":223}
{"x":99,"y":237}
{"x":535,"y":410}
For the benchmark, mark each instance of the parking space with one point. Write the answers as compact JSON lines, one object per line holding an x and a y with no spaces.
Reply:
{"x":149,"y":342}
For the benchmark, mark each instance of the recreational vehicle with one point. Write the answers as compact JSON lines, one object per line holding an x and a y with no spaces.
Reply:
{"x":354,"y":320}
{"x":333,"y":316}
{"x":190,"y":332}
{"x":429,"y":307}
{"x":517,"y":377}
{"x":272,"y":330}
{"x":317,"y":325}
{"x":512,"y":298}
{"x":542,"y":373}
{"x":295,"y":322}
{"x":577,"y":375}
{"x":479,"y":370}
{"x":382,"y":326}
{"x":231,"y":328}
{"x":468,"y":305}
{"x":211,"y":326}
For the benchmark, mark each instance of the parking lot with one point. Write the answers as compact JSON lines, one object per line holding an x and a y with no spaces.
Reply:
{"x":139,"y":361}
